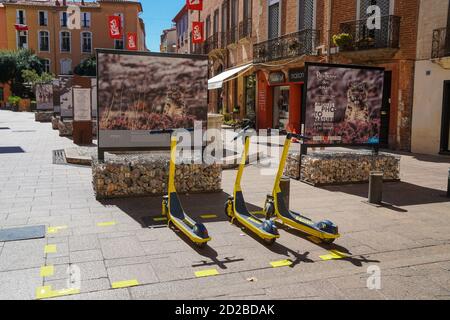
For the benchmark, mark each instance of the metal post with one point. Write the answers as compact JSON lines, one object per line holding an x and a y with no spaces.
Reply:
{"x":285,"y":186}
{"x":448,"y":184}
{"x":376,"y":187}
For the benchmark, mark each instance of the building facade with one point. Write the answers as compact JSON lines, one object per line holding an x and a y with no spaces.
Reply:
{"x":43,"y":26}
{"x":279,"y":36}
{"x":47,"y":31}
{"x":184,"y":29}
{"x":169,"y":41}
{"x":431,"y":112}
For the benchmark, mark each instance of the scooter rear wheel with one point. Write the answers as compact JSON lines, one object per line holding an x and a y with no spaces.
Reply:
{"x":328,"y":241}
{"x":201,"y":245}
{"x":270,"y":242}
{"x":228,"y":208}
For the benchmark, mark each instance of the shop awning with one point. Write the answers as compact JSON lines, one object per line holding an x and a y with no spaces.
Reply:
{"x":217,"y":81}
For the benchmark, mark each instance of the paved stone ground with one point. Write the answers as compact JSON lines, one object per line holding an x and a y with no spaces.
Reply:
{"x":409,"y":241}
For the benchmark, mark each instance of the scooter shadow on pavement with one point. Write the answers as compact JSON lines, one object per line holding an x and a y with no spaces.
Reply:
{"x":209,"y":253}
{"x":358,"y":262}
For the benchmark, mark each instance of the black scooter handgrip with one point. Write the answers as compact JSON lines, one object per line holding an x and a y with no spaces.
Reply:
{"x":240,"y":134}
{"x":299,"y":136}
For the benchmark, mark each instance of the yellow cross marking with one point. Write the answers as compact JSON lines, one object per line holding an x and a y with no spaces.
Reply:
{"x":50,"y":248}
{"x":47,"y":271}
{"x":46,"y":292}
{"x":282,"y":263}
{"x":206,"y":273}
{"x":125,"y":284}
{"x":106,"y":224}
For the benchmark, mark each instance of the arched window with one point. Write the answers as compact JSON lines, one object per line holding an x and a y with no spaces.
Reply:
{"x":86,"y":42}
{"x":44,"y":41}
{"x":65,"y":41}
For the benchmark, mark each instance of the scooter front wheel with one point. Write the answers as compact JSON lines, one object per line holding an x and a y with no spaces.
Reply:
{"x":270,"y":242}
{"x":228,"y":210}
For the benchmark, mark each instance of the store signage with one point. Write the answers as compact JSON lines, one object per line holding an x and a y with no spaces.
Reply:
{"x":277,"y":77}
{"x":343,"y":104}
{"x":82,"y":104}
{"x":297,"y":75}
{"x":197,"y":32}
{"x":132,"y":41}
{"x":115,"y":27}
{"x":194,"y":5}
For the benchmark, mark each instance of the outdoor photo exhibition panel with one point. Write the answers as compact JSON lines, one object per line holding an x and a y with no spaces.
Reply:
{"x":143,"y":97}
{"x":56,"y":98}
{"x":66,"y":98}
{"x":82,"y":104}
{"x":343,"y":105}
{"x":44,"y":97}
{"x":94,"y":97}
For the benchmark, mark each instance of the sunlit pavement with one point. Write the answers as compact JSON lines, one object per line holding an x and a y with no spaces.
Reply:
{"x":116,"y":258}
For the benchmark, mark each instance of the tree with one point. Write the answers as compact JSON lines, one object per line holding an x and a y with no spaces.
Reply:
{"x":13,"y":63}
{"x":87,"y":68}
{"x":31,"y":77}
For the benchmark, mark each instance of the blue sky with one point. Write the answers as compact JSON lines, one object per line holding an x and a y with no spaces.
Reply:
{"x":158,"y":15}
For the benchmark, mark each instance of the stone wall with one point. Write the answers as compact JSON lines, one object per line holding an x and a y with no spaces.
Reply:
{"x":43,"y":116}
{"x":55,"y":121}
{"x":131,"y":176}
{"x":342,"y":168}
{"x":66,"y":128}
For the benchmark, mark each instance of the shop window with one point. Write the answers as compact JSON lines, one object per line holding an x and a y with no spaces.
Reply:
{"x":280,"y":107}
{"x":250,"y":97}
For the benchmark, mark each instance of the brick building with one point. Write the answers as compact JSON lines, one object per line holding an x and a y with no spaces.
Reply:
{"x":431,"y":111}
{"x":278,"y":36}
{"x":169,"y":41}
{"x":44,"y":28}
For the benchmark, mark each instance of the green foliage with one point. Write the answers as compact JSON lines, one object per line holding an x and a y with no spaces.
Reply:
{"x":14,"y":100}
{"x":343,"y":40}
{"x":33,"y":78}
{"x":87,"y":68}
{"x":13,"y":63}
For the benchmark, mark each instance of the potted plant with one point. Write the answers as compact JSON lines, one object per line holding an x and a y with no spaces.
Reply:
{"x":344,"y":41}
{"x":14,"y":101}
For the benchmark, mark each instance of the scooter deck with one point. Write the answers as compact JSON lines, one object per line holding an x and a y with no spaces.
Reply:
{"x":302,"y":223}
{"x":244,"y":216}
{"x":182,"y":221}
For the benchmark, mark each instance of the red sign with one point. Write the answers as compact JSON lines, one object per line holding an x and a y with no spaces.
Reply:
{"x":195,"y":5}
{"x":21,"y":27}
{"x":115,"y":27}
{"x":132,"y":41}
{"x":197,"y":32}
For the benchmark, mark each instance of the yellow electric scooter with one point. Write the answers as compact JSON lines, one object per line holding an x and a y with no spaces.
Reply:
{"x":275,"y":206}
{"x":236,"y":209}
{"x":171,"y":207}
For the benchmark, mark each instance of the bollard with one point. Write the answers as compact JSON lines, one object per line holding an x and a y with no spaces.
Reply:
{"x":285,"y":186}
{"x":448,"y":184}
{"x":376,"y":187}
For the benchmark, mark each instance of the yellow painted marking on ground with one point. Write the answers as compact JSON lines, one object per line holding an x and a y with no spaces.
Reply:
{"x":53,"y":230}
{"x":125,"y":284}
{"x":315,"y":240}
{"x":206,"y":273}
{"x":50,"y":248}
{"x":160,"y":219}
{"x":281,"y":263}
{"x":209,"y":216}
{"x":334,"y":255}
{"x":106,"y":224}
{"x":47,"y":271}
{"x":46,"y":292}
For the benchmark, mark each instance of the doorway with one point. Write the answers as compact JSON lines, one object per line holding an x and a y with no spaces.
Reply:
{"x":445,"y":131}
{"x":281,"y":107}
{"x":386,"y":110}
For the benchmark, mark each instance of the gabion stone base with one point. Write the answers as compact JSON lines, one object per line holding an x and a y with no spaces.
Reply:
{"x":133,"y":176}
{"x":43,"y":116}
{"x":55,"y":121}
{"x":66,"y":128}
{"x":327,"y":168}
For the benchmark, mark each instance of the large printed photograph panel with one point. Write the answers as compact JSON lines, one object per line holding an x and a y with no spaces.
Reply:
{"x":44,"y":97}
{"x":343,"y":104}
{"x":139,"y":94}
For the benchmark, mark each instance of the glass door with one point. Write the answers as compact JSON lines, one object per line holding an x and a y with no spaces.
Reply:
{"x":281,"y":107}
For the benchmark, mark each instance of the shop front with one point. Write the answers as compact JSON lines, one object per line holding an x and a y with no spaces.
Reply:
{"x":279,"y":99}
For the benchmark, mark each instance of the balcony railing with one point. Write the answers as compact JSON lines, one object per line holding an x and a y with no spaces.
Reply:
{"x":288,"y":46}
{"x":364,"y":38}
{"x":441,"y":43}
{"x":245,"y":29}
{"x":232,"y":35}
